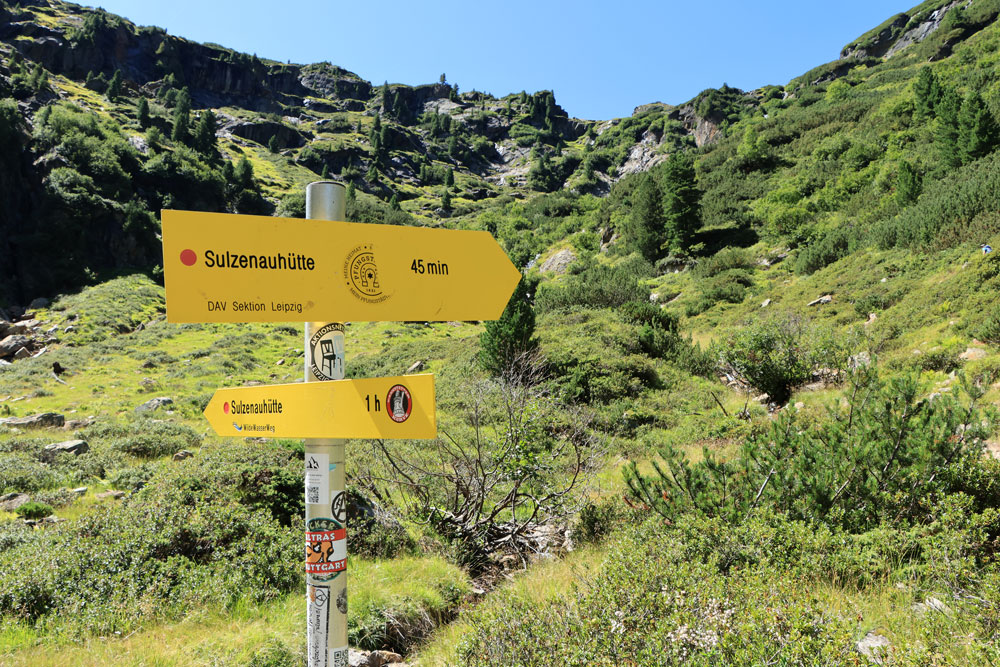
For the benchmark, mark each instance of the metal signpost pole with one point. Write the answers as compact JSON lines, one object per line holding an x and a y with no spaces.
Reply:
{"x":326,"y":502}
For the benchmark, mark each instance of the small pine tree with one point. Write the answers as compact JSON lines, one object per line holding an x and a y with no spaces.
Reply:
{"x":446,"y":200}
{"x":325,"y":173}
{"x":115,"y":86}
{"x":449,"y":180}
{"x":243,"y":175}
{"x":398,"y":108}
{"x":386,"y":100}
{"x":443,"y":79}
{"x":154,"y":137}
{"x":228,"y":173}
{"x":204,"y":134}
{"x":182,"y":118}
{"x":352,"y":193}
{"x":977,"y":129}
{"x":372,"y":175}
{"x":928,"y":93}
{"x":946,"y":135}
{"x":908,"y":184}
{"x":394,"y":202}
{"x":142,"y":113}
{"x":507,"y":341}
{"x":39,"y":79}
{"x":272,"y":144}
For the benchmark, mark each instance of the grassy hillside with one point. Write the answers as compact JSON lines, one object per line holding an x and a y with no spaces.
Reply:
{"x":752,"y":373}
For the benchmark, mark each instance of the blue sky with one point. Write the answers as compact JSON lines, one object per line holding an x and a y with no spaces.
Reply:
{"x":602,"y":59}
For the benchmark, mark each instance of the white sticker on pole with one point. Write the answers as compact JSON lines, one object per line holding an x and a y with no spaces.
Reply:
{"x":317,"y":478}
{"x":318,"y":625}
{"x":338,"y":657}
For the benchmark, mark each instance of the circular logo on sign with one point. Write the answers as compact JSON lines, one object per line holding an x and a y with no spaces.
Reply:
{"x":362,"y":276}
{"x":398,"y":403}
{"x":326,"y":347}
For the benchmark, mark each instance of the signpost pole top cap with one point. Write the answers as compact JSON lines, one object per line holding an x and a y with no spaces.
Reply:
{"x":326,"y":200}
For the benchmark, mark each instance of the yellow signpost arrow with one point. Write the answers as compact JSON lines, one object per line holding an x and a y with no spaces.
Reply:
{"x":391,"y":408}
{"x":245,"y":268}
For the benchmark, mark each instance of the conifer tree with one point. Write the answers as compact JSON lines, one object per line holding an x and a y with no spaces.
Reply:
{"x":908,"y":184}
{"x":928,"y":93}
{"x":228,"y":174}
{"x":39,"y":79}
{"x":352,"y":193}
{"x":398,"y":108}
{"x":182,"y":118}
{"x":204,"y":134}
{"x":272,"y":144}
{"x":977,"y":129}
{"x":115,"y":86}
{"x":947,"y":128}
{"x":386,"y":100}
{"x":446,"y":200}
{"x":394,"y":202}
{"x":506,"y":341}
{"x":644,"y":226}
{"x":325,"y":173}
{"x":449,"y":180}
{"x":243,"y":174}
{"x":142,"y":113}
{"x":681,"y":202}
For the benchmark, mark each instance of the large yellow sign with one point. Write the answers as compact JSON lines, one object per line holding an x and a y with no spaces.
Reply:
{"x":247,"y":268}
{"x":390,"y":408}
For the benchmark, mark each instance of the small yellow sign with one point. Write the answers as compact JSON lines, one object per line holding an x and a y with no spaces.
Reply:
{"x":390,"y":408}
{"x":247,"y":268}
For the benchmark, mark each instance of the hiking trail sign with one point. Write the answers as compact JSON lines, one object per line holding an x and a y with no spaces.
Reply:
{"x":221,"y":267}
{"x":388,"y":408}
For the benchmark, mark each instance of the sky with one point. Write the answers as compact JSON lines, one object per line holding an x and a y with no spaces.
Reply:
{"x":601,"y":59}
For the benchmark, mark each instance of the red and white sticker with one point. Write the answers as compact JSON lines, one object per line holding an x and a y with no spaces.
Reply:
{"x":399,"y":403}
{"x":326,"y":548}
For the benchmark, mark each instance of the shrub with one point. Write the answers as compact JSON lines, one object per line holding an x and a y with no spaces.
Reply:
{"x":884,"y":452}
{"x":598,"y":286}
{"x":770,"y":356}
{"x":19,"y":472}
{"x":824,"y":251}
{"x":133,"y":479}
{"x":659,"y":335}
{"x":33,"y":510}
{"x":145,"y":437}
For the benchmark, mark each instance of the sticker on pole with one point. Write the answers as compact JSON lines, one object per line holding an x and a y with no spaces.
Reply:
{"x":326,"y":548}
{"x":317,"y":624}
{"x":326,"y":352}
{"x":317,"y":478}
{"x":399,"y":403}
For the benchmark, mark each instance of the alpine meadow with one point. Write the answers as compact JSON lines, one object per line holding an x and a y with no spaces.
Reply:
{"x":741,"y":408}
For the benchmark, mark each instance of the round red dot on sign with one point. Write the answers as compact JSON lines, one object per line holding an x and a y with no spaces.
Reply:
{"x":225,"y":407}
{"x":188,"y":258}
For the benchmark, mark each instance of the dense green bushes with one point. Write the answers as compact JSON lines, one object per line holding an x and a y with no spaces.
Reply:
{"x":205,"y":531}
{"x":774,"y":356}
{"x":882,"y":456}
{"x":598,"y":286}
